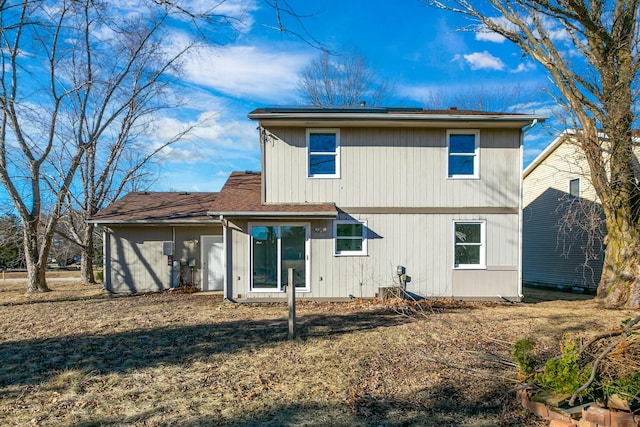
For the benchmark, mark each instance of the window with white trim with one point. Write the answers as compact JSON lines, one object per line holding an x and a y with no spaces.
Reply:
{"x":574,"y":188}
{"x":350,"y":237}
{"x":323,"y":150}
{"x":274,"y":248}
{"x":463,"y":153}
{"x":469,"y":244}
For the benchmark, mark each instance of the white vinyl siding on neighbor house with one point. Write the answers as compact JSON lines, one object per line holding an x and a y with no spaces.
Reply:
{"x":549,"y":256}
{"x":463,"y":154}
{"x":323,"y":151}
{"x":350,"y":237}
{"x":393,"y":167}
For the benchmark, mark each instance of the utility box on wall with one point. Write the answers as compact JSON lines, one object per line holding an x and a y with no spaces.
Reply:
{"x":167,"y":248}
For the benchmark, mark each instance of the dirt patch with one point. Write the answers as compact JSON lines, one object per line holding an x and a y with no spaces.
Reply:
{"x":78,"y":357}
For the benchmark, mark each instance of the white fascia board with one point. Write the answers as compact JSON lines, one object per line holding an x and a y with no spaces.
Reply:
{"x":273,"y":214}
{"x":547,"y":151}
{"x":153,"y":222}
{"x":502,"y":118}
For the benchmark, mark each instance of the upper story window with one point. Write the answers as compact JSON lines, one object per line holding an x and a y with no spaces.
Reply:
{"x":350,"y":237}
{"x":463,"y":153}
{"x":323,"y":148}
{"x":574,"y":188}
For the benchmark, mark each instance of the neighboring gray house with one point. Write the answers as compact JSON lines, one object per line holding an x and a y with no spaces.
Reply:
{"x":348,"y":195}
{"x":559,"y":203}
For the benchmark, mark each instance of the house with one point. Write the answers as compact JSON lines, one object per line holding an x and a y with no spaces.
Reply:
{"x":355,"y":200}
{"x":563,"y":227}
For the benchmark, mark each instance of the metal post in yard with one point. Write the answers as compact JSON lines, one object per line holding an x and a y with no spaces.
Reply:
{"x":291,"y":291}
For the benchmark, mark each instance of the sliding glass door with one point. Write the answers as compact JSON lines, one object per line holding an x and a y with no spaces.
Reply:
{"x":275,"y":249}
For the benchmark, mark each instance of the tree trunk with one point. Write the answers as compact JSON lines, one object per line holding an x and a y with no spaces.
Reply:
{"x":86,"y":261}
{"x":36,"y":268}
{"x":620,"y":281}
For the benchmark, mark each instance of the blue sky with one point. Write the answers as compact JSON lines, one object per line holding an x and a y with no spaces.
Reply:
{"x":417,"y":48}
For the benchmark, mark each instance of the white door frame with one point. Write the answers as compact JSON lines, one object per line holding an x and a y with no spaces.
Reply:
{"x":307,"y":260}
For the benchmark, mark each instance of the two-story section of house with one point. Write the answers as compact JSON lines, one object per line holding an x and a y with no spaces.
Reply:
{"x":359,"y":199}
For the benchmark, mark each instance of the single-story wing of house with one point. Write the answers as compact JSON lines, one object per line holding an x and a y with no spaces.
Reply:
{"x":155,"y":241}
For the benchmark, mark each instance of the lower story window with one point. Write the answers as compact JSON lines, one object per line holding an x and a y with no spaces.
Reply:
{"x":469,"y":238}
{"x":350,"y":237}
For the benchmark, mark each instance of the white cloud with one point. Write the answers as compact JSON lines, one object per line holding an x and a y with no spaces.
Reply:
{"x":212,"y":141}
{"x":251,"y":72}
{"x":554,"y":31}
{"x":523,"y":67}
{"x":485,"y":34}
{"x":481,"y":61}
{"x":489,"y":36}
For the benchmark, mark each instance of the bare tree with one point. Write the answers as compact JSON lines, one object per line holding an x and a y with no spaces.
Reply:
{"x":11,"y":255}
{"x":111,"y":167}
{"x":596,"y":84}
{"x":79,"y":81}
{"x":344,"y":80}
{"x":504,"y":98}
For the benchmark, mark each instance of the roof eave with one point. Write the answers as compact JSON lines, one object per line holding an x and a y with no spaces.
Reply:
{"x":153,"y":221}
{"x":273,"y":214}
{"x":524,"y":118}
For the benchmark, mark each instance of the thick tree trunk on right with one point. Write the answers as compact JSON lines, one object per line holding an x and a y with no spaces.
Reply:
{"x":620,"y":282}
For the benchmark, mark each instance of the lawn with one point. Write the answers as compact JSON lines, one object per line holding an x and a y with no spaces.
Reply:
{"x":77,"y":357}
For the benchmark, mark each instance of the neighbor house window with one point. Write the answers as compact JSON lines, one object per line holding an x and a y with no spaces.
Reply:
{"x":350,"y":237}
{"x":574,"y":188}
{"x":463,"y":153}
{"x":323,"y":147}
{"x":469,"y":241}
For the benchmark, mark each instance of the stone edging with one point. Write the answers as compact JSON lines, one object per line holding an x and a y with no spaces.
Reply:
{"x":585,"y":416}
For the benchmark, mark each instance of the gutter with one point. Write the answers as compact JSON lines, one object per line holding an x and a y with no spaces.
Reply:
{"x":273,"y":214}
{"x":152,"y":222}
{"x":395,"y":116}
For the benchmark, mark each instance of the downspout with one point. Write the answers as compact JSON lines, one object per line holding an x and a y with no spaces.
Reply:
{"x":106,"y":272}
{"x":172,"y":284}
{"x":263,"y":143}
{"x":520,"y":205}
{"x":225,"y":265}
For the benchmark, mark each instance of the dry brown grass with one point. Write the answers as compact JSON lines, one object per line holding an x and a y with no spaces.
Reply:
{"x":77,"y":357}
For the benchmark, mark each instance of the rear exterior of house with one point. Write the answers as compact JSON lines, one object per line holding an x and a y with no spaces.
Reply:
{"x":356,"y":200}
{"x":559,"y":202}
{"x":429,"y":201}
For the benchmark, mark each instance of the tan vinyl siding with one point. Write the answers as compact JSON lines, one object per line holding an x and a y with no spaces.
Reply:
{"x":136,"y":260}
{"x":423,"y":243}
{"x":137,"y":263}
{"x":393,"y":167}
{"x":550,"y":257}
{"x":471,"y":286}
